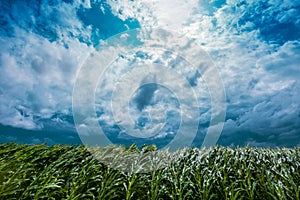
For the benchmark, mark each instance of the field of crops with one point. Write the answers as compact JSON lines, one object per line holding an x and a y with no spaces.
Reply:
{"x":72,"y":172}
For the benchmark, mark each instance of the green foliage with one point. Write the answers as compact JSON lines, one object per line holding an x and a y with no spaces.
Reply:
{"x":72,"y":172}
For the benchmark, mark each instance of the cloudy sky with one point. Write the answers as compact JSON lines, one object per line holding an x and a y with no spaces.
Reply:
{"x":254,"y":45}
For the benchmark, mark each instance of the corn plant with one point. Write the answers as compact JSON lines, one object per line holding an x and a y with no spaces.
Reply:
{"x":79,"y":172}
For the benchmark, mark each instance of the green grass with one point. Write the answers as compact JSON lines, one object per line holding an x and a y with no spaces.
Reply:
{"x":69,"y":172}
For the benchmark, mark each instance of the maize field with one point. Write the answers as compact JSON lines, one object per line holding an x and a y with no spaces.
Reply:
{"x":73,"y":172}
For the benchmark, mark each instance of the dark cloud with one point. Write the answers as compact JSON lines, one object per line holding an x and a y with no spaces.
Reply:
{"x":144,"y":96}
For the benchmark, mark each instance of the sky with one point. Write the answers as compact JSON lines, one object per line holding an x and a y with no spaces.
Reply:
{"x":254,"y":45}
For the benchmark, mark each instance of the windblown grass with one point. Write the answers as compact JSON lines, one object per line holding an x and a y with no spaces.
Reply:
{"x":69,"y":172}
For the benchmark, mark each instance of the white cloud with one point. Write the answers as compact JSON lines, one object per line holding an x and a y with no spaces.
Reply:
{"x":36,"y":74}
{"x":261,"y":79}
